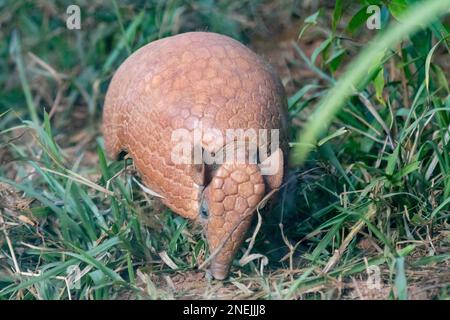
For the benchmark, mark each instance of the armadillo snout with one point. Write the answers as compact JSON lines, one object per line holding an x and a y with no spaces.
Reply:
{"x":232,"y":197}
{"x":219,"y":270}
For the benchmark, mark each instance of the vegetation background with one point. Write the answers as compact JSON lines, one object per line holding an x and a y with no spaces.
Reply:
{"x":365,"y":216}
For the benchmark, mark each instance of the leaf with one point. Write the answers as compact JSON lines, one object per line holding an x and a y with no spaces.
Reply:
{"x":16,"y":54}
{"x":376,"y":63}
{"x":413,"y":166}
{"x":126,"y":38}
{"x":358,"y":20}
{"x":329,"y":154}
{"x":335,"y":134}
{"x":398,"y":8}
{"x":320,"y":49}
{"x":378,"y":83}
{"x":87,"y":258}
{"x":297,"y":283}
{"x":441,"y":78}
{"x":312,"y":19}
{"x":337,"y":14}
{"x":292,"y":101}
{"x":431,"y":260}
{"x":309,"y":21}
{"x":392,"y":161}
{"x":427,"y":65}
{"x":406,"y":250}
{"x":326,"y":240}
{"x":400,"y":279}
{"x":176,"y":237}
{"x":335,"y":60}
{"x":440,"y":207}
{"x":380,"y":236}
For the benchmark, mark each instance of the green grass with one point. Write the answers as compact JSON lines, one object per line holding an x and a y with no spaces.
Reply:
{"x":371,"y":194}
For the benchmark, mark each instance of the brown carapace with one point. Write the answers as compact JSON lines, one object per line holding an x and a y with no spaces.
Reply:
{"x":212,"y":83}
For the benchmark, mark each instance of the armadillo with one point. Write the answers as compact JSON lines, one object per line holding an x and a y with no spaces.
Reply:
{"x":206,"y":84}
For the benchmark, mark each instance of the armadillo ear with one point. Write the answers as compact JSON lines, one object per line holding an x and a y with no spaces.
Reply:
{"x":197,"y":172}
{"x":272,"y":169}
{"x":196,"y":167}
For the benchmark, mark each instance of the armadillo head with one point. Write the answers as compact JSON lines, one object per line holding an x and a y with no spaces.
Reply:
{"x":228,"y":204}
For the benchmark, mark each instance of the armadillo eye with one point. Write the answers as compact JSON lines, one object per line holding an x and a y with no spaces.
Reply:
{"x":204,"y":210}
